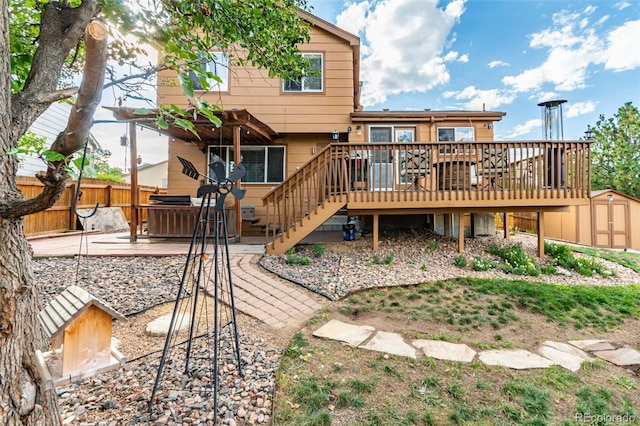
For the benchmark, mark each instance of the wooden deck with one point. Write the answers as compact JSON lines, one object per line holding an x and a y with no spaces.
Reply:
{"x":428,"y":177}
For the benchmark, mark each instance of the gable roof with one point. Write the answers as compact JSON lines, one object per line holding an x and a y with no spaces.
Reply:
{"x":66,"y":307}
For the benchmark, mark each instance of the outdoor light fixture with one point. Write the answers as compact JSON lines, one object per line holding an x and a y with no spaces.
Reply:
{"x":588,"y":135}
{"x":610,"y":198}
{"x":335,"y":136}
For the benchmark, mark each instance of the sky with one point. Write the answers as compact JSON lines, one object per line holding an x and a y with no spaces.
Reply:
{"x":498,"y":55}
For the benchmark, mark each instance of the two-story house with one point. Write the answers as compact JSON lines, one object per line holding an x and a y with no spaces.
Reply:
{"x":310,"y":151}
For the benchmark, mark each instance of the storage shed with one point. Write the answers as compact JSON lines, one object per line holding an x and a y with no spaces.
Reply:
{"x":610,"y":220}
{"x":79,"y":327}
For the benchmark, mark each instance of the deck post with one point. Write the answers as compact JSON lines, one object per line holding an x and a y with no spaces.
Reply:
{"x":133,"y":173}
{"x":540,"y":234}
{"x":237,"y":159}
{"x":506,"y":225}
{"x":447,"y":224}
{"x":460,"y":233}
{"x":376,"y":218}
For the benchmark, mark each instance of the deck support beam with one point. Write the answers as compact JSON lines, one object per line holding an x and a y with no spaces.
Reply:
{"x":460,"y":233}
{"x":376,"y":228}
{"x":540,"y":234}
{"x":506,"y":225}
{"x":447,"y":224}
{"x":133,"y":173}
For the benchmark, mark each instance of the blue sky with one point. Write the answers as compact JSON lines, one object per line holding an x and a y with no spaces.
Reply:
{"x":506,"y":54}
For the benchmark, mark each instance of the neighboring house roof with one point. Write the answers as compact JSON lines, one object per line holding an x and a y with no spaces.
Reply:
{"x":48,"y":125}
{"x":66,"y":307}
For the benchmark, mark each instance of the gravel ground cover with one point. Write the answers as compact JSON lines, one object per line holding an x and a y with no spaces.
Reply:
{"x":141,"y":287}
{"x":412,"y":258}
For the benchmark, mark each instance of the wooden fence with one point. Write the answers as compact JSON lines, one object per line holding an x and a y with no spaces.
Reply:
{"x":61,"y":217}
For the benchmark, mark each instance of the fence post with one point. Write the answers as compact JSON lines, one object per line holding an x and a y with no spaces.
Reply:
{"x":108,"y":195}
{"x":72,"y":225}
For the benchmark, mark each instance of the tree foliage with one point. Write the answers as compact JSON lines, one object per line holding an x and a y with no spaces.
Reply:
{"x":616,"y":152}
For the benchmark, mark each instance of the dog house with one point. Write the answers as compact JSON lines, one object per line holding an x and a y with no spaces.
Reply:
{"x":79,"y":328}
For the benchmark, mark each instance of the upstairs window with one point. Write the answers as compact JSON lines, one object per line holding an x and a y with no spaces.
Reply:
{"x":218,"y":66}
{"x":309,"y":83}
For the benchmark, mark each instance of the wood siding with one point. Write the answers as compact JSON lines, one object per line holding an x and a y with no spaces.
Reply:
{"x":286,"y":112}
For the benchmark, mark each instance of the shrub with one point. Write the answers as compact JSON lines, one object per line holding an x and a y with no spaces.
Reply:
{"x":564,"y":257}
{"x":460,"y":261}
{"x":296,"y":259}
{"x":516,"y":260}
{"x":318,"y":250}
{"x":481,"y":264}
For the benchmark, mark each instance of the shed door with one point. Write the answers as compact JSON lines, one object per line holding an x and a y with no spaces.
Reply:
{"x":611,"y":223}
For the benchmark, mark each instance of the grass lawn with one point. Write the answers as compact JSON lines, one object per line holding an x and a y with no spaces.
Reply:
{"x":323,"y":382}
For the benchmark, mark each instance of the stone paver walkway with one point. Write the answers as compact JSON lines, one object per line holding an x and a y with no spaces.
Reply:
{"x":257,"y":293}
{"x":567,"y":355}
{"x":269,"y":299}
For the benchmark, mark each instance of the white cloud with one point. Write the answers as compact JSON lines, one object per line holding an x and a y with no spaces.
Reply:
{"x":572,"y":46}
{"x":450,"y":57}
{"x":523,"y":129}
{"x":622,"y":5}
{"x":464,"y":58}
{"x":623,"y":49}
{"x":577,"y":109}
{"x":478,"y":100}
{"x":494,"y":64}
{"x":409,"y":58}
{"x":544,"y":96}
{"x":353,"y":17}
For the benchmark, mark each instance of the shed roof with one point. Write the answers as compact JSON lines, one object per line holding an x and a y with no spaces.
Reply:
{"x":68,"y":305}
{"x":600,"y":192}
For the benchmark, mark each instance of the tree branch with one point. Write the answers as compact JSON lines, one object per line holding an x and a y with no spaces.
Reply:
{"x":72,"y":138}
{"x":58,"y":95}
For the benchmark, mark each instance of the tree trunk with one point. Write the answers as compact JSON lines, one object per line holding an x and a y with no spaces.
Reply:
{"x":23,"y":399}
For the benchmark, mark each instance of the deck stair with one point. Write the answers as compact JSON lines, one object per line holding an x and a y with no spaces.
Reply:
{"x":306,"y":200}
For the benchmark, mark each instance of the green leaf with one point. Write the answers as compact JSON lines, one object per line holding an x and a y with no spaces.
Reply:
{"x":52,"y":156}
{"x":186,"y":84}
{"x":162,"y":123}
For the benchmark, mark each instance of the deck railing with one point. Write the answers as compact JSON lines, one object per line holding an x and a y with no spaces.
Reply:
{"x":323,"y":178}
{"x":457,"y":171}
{"x":433,"y":175}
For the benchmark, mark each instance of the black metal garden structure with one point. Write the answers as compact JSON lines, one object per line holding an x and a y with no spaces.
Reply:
{"x":200,"y":271}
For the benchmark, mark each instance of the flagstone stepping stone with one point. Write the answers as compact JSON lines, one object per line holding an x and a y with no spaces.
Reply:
{"x":160,"y":326}
{"x":592,"y":345}
{"x":445,"y":350}
{"x":391,"y":343}
{"x":517,"y":359}
{"x":352,"y":334}
{"x":563,"y":354}
{"x":621,"y":357}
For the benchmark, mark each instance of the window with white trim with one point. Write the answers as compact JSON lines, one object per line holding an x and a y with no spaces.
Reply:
{"x":264,"y":164}
{"x":219,"y":67}
{"x":308,"y":83}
